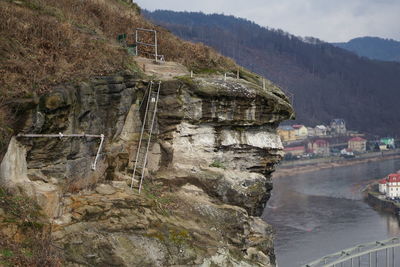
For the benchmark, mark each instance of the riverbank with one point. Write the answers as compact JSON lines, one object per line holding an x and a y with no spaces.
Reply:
{"x":303,"y":166}
{"x":312,"y":207}
{"x":378,"y":201}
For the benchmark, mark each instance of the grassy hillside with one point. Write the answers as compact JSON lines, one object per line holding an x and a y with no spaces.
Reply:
{"x":47,"y":42}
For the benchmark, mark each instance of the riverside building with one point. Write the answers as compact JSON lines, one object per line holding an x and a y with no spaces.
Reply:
{"x":390,"y":186}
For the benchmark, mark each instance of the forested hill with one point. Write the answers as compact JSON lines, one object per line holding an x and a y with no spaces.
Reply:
{"x":327,"y":81}
{"x":374,"y":48}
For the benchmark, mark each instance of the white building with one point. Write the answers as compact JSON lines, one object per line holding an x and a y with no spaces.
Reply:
{"x":311,"y":131}
{"x":338,"y":126}
{"x":390,"y":186}
{"x":348,"y":152}
{"x":382,"y":186}
{"x":321,"y":130}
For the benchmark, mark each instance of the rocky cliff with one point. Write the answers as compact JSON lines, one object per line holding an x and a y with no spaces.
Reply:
{"x":207,"y":179}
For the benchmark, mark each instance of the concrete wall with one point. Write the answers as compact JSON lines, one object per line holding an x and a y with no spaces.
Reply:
{"x":382,"y":204}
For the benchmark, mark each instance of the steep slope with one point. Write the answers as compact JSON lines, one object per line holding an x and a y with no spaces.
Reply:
{"x":212,"y":149}
{"x":327,"y":81}
{"x":47,"y":42}
{"x":373,"y":48}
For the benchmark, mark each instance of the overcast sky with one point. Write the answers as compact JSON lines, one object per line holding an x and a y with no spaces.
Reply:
{"x":329,"y":20}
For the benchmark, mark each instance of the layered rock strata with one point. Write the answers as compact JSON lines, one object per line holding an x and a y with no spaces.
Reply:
{"x":208,"y":176}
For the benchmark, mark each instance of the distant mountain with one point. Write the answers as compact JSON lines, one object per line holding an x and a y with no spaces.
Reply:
{"x":373,"y":48}
{"x":327,"y":82}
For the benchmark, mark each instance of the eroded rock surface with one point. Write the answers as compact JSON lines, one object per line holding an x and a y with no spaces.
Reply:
{"x":208,"y":175}
{"x":185,"y":227}
{"x":222,"y":136}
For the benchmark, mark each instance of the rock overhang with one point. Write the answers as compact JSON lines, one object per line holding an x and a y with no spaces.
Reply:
{"x":226,"y":102}
{"x":218,"y":136}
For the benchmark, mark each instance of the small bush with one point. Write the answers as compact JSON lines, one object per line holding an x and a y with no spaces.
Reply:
{"x":36,"y":250}
{"x":20,"y":207}
{"x":217,"y":164}
{"x":32,"y":244}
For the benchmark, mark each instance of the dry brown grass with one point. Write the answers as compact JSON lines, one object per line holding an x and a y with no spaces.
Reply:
{"x":48,"y":42}
{"x":41,"y":46}
{"x":35,"y":250}
{"x":45,"y":42}
{"x":28,"y":241}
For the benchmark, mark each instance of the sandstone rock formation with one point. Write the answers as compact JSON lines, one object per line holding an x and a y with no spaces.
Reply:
{"x":208,"y":176}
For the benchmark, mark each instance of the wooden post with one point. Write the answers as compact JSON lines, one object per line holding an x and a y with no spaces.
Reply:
{"x":225,"y":77}
{"x":191,"y":74}
{"x":238,"y":74}
{"x":263,"y":83}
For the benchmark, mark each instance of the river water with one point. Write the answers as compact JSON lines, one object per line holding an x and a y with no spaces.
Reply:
{"x":319,"y":213}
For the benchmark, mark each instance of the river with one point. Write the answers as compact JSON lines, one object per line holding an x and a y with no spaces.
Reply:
{"x":319,"y":213}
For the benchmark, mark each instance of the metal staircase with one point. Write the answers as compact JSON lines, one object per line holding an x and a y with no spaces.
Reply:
{"x":150,"y":99}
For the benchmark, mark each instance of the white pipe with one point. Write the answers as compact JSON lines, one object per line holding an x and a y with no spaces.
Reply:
{"x":156,"y":45}
{"x":147,"y":30}
{"x":61,"y":135}
{"x":98,"y":153}
{"x":136,"y":40}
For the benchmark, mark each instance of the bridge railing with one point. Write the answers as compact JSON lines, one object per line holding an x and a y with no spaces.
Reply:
{"x":375,"y":254}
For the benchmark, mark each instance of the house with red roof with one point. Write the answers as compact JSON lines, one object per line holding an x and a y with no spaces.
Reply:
{"x":357,"y":144}
{"x":390,"y":185}
{"x":319,"y":147}
{"x":382,"y":186}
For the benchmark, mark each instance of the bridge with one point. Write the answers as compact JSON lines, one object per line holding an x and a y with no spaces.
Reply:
{"x":375,"y":254}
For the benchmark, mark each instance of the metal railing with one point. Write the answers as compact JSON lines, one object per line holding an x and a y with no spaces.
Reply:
{"x":374,"y":254}
{"x":263,"y":82}
{"x":154,"y":45}
{"x":61,"y":135}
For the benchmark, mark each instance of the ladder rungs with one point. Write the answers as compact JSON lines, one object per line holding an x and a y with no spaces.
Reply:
{"x":147,"y":126}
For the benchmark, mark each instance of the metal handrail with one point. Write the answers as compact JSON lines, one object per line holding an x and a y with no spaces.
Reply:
{"x":355,"y":253}
{"x":61,"y":135}
{"x":138,"y":42}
